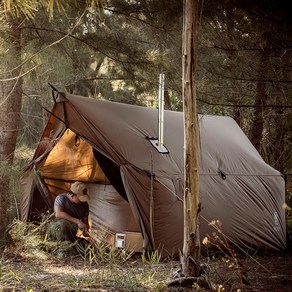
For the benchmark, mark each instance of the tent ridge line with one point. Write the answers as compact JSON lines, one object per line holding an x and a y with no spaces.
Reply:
{"x":239,"y":174}
{"x":157,"y":174}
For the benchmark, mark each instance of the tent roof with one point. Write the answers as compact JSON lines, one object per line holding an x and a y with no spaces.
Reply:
{"x":123,"y":129}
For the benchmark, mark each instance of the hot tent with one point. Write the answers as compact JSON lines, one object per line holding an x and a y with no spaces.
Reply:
{"x":106,"y":144}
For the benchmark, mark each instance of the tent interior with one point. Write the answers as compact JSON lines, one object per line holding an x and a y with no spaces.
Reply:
{"x":70,"y":160}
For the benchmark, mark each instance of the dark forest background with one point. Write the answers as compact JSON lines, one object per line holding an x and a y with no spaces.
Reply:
{"x":117,"y":53}
{"x":115,"y":50}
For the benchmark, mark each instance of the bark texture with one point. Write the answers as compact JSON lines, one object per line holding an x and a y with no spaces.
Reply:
{"x":191,"y":248}
{"x":256,"y":134}
{"x":10,"y":106}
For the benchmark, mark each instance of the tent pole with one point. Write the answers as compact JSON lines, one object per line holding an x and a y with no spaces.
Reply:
{"x":54,"y":89}
{"x":54,"y":115}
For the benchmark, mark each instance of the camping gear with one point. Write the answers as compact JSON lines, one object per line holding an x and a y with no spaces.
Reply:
{"x":135,"y":188}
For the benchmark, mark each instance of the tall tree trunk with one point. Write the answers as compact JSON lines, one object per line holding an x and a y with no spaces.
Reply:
{"x":281,"y":129}
{"x":10,"y":107}
{"x":256,"y":133}
{"x":279,"y":153}
{"x":167,"y":100}
{"x":232,"y":56}
{"x":191,"y":248}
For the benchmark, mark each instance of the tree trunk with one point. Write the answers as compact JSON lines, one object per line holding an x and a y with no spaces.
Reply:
{"x":10,"y":107}
{"x":191,"y":248}
{"x":256,"y":134}
{"x":280,"y":155}
{"x":232,"y":56}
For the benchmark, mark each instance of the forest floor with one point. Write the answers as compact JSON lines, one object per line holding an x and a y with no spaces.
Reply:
{"x":30,"y":262}
{"x":34,"y":271}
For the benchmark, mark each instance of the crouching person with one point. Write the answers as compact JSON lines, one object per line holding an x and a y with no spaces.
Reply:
{"x":71,"y":212}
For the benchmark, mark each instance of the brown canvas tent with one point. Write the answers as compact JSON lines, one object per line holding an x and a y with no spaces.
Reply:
{"x":106,"y":145}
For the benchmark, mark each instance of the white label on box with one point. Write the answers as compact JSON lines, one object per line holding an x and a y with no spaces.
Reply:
{"x":120,"y":240}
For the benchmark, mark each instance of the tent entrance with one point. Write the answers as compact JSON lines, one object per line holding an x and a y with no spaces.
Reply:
{"x":72,"y":159}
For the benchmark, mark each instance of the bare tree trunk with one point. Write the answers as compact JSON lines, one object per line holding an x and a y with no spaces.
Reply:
{"x":280,"y":155}
{"x":10,"y":107}
{"x":191,"y":248}
{"x":167,"y":100}
{"x":192,"y":272}
{"x":256,"y":133}
{"x":232,"y":56}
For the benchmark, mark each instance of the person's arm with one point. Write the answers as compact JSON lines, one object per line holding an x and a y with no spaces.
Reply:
{"x":85,"y":221}
{"x":59,"y":213}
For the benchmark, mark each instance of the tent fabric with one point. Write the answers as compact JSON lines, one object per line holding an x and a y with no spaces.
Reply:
{"x":27,"y":186}
{"x":236,"y":186}
{"x":70,"y":157}
{"x":106,"y":205}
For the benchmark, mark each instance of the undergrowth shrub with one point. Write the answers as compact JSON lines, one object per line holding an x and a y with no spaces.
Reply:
{"x":32,"y":238}
{"x":228,"y":255}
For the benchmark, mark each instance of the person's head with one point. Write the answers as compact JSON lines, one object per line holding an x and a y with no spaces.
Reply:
{"x":78,"y":192}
